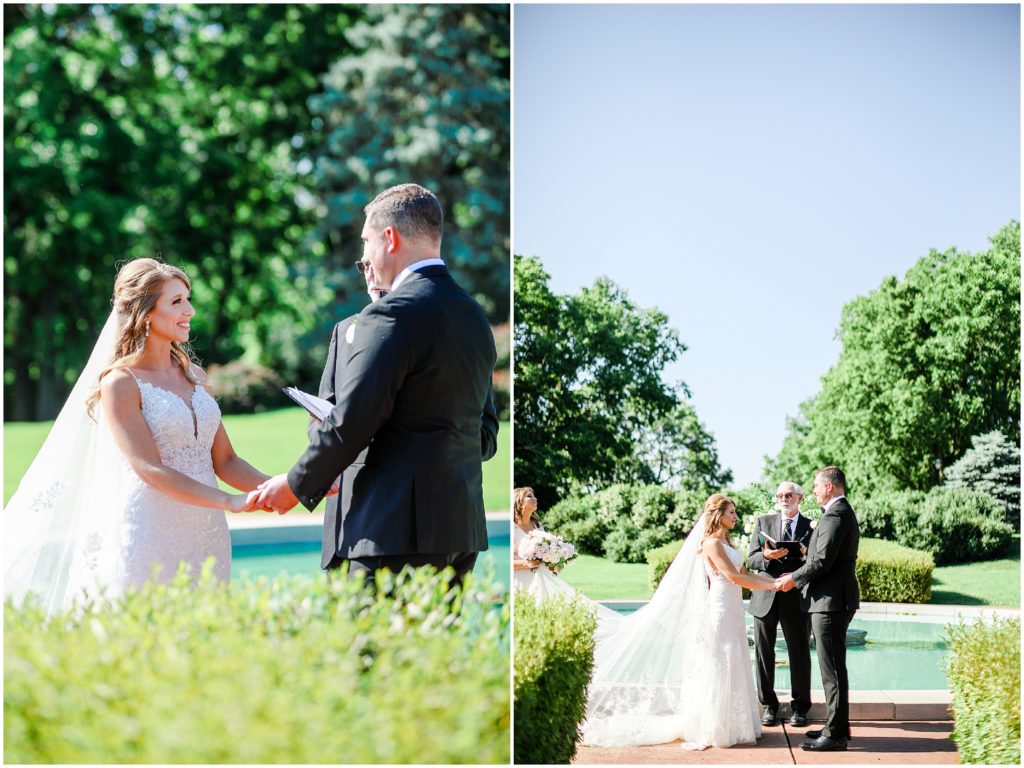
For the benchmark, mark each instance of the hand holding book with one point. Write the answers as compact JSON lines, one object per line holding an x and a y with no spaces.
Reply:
{"x":792,"y":548}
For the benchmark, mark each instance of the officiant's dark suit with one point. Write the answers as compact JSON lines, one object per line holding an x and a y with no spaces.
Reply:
{"x":334,"y":374}
{"x":410,"y":424}
{"x":770,"y":609}
{"x":829,"y":581}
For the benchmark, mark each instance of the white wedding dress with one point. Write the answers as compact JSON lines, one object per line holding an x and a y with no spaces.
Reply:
{"x":542,"y":584}
{"x":680,"y":667}
{"x":83,"y":525}
{"x":157,"y":529}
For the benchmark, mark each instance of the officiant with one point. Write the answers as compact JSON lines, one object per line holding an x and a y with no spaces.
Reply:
{"x":770,"y":609}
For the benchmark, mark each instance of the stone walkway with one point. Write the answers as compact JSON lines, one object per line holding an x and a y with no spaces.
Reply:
{"x":875,"y":742}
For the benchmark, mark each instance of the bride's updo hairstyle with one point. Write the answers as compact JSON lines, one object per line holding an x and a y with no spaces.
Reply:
{"x":714,"y":508}
{"x":136,"y":290}
{"x":519,"y":506}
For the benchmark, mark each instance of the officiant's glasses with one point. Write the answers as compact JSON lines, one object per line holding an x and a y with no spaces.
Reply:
{"x":362,"y":266}
{"x":784,"y":496}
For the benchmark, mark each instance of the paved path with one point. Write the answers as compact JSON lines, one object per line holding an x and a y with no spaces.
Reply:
{"x":875,"y":742}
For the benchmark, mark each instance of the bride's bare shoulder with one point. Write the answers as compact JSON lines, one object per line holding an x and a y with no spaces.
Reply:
{"x":119,"y":393}
{"x":118,"y":383}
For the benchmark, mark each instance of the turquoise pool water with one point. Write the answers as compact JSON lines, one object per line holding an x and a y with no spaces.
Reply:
{"x":251,"y":561}
{"x":899,"y":655}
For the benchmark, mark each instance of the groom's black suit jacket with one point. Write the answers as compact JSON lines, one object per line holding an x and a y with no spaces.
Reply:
{"x":829,"y":578}
{"x":409,"y":427}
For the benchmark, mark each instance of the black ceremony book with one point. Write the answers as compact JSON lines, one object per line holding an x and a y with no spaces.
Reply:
{"x":792,"y":547}
{"x":315,"y":406}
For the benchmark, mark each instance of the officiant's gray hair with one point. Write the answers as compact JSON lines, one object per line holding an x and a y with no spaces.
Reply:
{"x":796,"y":488}
{"x":411,"y":209}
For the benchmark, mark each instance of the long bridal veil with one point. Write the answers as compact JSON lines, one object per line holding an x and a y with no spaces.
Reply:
{"x":61,"y":528}
{"x":651,"y":676}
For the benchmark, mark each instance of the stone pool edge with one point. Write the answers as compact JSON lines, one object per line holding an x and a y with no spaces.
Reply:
{"x":883,"y":705}
{"x":270,"y":528}
{"x":933,"y":614}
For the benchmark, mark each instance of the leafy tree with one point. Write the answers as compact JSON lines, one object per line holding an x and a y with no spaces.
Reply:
{"x":426,"y":100}
{"x":676,"y":450}
{"x":137,"y":129}
{"x":588,"y":389}
{"x":187,"y":130}
{"x":991,"y":466}
{"x":926,"y":362}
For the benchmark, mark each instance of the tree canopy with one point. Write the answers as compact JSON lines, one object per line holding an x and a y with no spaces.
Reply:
{"x":927,"y":362}
{"x":193,"y":132}
{"x":425,"y":100}
{"x":591,"y":406}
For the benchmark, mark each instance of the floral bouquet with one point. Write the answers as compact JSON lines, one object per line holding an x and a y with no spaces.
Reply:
{"x":552,"y":550}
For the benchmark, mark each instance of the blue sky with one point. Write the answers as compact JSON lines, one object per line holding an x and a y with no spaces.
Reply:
{"x":750,"y":169}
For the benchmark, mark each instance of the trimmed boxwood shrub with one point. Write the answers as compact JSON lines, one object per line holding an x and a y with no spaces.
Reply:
{"x":984,"y":677}
{"x":891,"y":573}
{"x":658,"y":561}
{"x":294,"y":670}
{"x":955,"y":525}
{"x":624,"y":521}
{"x":554,"y":641}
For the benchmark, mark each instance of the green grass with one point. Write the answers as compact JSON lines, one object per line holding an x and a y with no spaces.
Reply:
{"x":993,"y":582}
{"x":602,"y":579}
{"x":270,"y":441}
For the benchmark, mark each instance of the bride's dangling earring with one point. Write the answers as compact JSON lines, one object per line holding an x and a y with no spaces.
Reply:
{"x":147,"y":329}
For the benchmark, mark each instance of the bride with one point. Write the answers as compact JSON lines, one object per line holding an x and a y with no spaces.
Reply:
{"x":127,"y":477}
{"x":679,"y":668}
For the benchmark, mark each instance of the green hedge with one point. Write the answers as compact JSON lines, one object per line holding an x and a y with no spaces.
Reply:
{"x":658,"y":561}
{"x":956,"y":525}
{"x":554,"y":641}
{"x":290,"y":671}
{"x":624,"y":521}
{"x":984,"y":677}
{"x":886,"y":572}
{"x":892,"y":573}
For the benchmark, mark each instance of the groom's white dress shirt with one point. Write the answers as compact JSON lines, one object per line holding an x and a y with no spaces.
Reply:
{"x":415,"y":267}
{"x":828,"y":506}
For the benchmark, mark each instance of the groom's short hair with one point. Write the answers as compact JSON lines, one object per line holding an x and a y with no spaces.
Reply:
{"x":411,"y":209}
{"x":833,"y":475}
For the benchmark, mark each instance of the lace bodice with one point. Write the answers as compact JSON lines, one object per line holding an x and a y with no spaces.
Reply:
{"x":185,"y":442}
{"x":158,"y":528}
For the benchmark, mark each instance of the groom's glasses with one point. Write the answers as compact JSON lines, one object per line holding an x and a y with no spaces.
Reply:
{"x":361,"y":267}
{"x":784,"y":496}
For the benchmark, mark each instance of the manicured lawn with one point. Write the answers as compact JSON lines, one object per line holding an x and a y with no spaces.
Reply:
{"x":602,"y":579}
{"x":994,"y":582}
{"x":270,"y":441}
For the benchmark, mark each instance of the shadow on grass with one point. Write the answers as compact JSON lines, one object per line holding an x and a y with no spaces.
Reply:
{"x":946,"y":597}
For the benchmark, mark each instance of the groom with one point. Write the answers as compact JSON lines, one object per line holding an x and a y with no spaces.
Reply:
{"x":789,"y":609}
{"x":417,"y":374}
{"x":829,"y":579}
